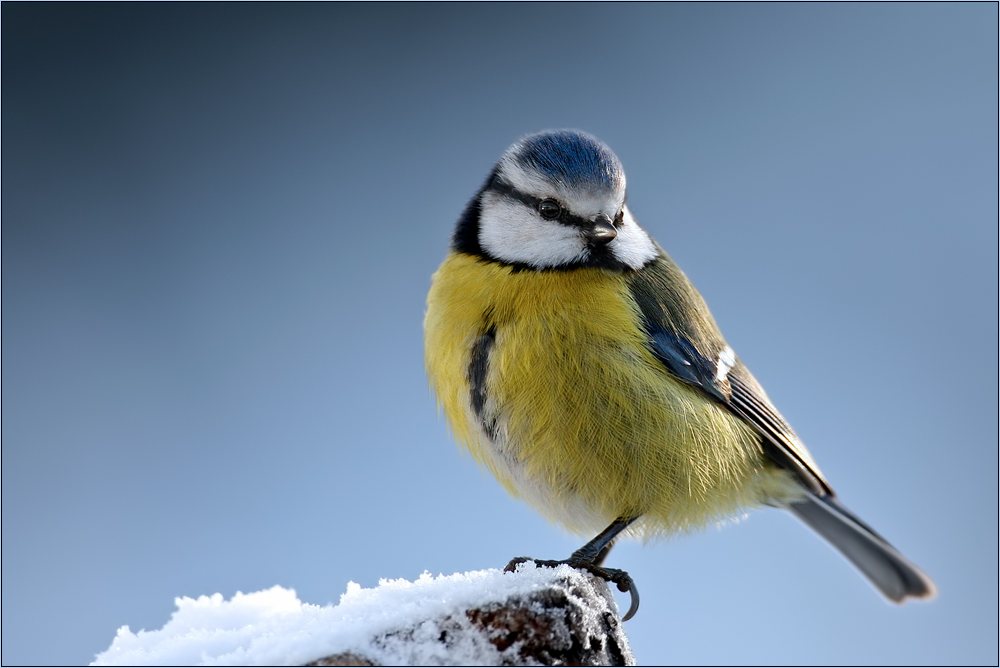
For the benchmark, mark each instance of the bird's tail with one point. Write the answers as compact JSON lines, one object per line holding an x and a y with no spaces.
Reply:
{"x":881,"y":563}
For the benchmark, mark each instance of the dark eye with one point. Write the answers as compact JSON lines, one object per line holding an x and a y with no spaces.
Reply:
{"x":549,"y":209}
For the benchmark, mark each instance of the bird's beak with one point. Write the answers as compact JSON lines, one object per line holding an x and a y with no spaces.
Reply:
{"x":601,"y":231}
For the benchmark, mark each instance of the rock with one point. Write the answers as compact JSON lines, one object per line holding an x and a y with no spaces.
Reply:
{"x":572,"y":622}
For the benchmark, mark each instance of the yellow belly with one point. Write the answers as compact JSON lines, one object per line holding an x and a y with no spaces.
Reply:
{"x":589,"y":426}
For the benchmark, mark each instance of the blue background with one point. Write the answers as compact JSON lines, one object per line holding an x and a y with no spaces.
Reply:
{"x":219,"y":226}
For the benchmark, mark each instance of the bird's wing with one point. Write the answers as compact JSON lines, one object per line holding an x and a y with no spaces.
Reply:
{"x":685,"y":339}
{"x":781,"y":443}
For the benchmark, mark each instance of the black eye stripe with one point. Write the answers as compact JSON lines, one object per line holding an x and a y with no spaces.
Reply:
{"x":565,"y":217}
{"x":509,"y":191}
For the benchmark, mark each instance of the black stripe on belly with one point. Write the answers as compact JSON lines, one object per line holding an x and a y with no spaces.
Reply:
{"x":479,"y":365}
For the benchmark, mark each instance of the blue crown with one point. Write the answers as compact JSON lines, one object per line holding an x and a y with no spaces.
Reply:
{"x":571,"y":157}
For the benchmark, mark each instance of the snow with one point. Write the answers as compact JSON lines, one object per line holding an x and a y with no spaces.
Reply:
{"x":273,"y":627}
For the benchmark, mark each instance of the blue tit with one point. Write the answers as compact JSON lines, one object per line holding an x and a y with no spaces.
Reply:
{"x":580,"y":366}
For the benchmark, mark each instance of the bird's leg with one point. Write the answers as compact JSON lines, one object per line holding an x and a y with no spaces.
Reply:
{"x":590,"y":557}
{"x":603,"y":554}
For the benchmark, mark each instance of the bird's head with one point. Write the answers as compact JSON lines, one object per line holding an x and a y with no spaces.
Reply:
{"x":555,"y":200}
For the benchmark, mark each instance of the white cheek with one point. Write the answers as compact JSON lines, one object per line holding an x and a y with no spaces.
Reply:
{"x":633,"y":247}
{"x":510,"y":232}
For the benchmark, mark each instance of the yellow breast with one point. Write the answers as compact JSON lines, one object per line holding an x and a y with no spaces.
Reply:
{"x":587,"y":425}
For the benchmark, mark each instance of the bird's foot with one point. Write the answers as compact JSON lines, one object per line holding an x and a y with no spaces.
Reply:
{"x":620,"y":578}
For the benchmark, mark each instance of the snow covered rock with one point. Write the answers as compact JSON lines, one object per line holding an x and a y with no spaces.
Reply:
{"x":538,"y":616}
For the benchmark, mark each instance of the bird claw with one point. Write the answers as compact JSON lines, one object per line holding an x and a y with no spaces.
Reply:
{"x":517,"y":561}
{"x":633,"y":592}
{"x":622,"y":580}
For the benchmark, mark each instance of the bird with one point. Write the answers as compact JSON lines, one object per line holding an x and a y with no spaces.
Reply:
{"x":581,"y":367}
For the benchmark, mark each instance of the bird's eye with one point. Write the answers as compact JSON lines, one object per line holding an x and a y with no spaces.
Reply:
{"x":619,"y":219}
{"x":549,"y":209}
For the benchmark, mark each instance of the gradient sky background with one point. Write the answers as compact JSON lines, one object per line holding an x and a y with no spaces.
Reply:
{"x":219,"y":226}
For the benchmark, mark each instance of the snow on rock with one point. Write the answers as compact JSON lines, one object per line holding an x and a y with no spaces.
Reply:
{"x":537,"y":616}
